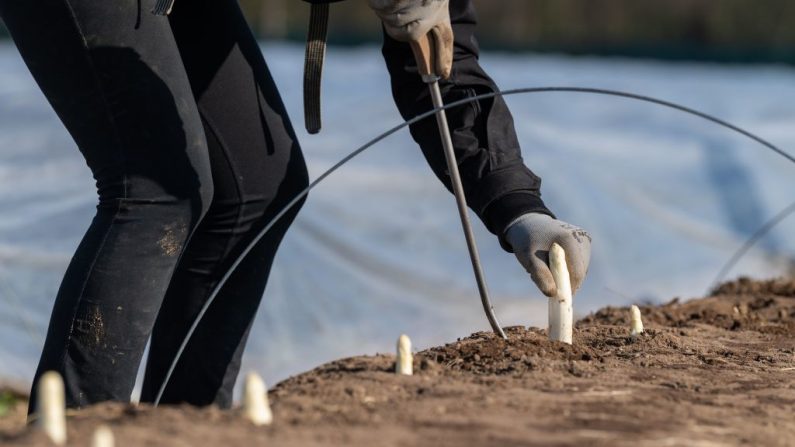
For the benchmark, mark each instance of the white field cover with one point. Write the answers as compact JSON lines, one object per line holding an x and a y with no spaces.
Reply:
{"x":378,"y":250}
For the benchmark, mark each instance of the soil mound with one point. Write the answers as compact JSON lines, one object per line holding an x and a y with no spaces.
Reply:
{"x":747,"y":286}
{"x":484,"y":353}
{"x":765,"y":306}
{"x":714,"y":371}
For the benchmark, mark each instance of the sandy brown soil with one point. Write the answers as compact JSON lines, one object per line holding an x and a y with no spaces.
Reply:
{"x":710,"y":372}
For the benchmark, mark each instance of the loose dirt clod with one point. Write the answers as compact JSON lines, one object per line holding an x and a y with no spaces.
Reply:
{"x":703,"y":373}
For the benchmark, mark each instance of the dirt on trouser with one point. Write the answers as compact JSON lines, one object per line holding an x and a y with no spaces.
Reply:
{"x":709,"y":372}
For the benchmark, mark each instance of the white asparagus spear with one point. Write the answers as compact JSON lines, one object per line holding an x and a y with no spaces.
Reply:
{"x":103,"y":437}
{"x":255,"y":400}
{"x":405,"y":361}
{"x":561,"y":313}
{"x":636,"y":322}
{"x":51,"y":407}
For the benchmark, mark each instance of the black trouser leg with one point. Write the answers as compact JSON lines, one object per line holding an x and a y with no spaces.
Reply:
{"x":112,"y":73}
{"x":117,"y":79}
{"x":257,"y":168}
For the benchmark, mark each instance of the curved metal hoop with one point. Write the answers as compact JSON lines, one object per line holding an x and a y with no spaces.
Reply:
{"x":416,"y":119}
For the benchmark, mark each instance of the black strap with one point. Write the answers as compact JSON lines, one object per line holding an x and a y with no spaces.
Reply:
{"x":313,"y":65}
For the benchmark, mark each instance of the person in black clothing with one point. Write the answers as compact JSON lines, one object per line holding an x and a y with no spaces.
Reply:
{"x":193,"y":153}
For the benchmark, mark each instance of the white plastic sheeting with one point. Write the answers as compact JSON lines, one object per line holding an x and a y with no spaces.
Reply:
{"x":378,"y":249}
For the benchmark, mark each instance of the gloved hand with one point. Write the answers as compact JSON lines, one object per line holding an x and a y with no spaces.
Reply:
{"x":531,"y":237}
{"x":410,"y":20}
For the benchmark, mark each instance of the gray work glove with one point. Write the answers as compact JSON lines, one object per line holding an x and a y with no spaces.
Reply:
{"x":531,"y":237}
{"x":410,"y":20}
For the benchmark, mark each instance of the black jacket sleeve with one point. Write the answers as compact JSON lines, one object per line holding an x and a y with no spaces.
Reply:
{"x":498,"y":185}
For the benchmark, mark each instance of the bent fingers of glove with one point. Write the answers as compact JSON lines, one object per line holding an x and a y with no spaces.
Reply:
{"x":532,"y":235}
{"x":538,"y":268}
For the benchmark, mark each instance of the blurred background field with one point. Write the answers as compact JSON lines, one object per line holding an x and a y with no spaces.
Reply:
{"x":377,"y":250}
{"x":716,"y":30}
